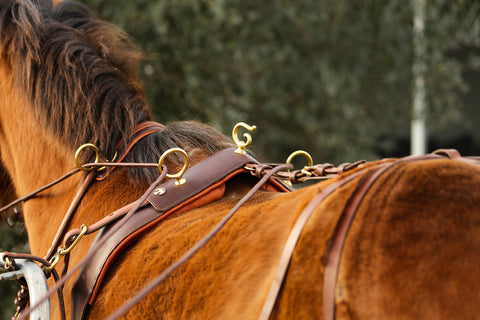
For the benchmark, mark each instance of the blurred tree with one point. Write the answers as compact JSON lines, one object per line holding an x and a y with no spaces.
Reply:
{"x":332,"y":77}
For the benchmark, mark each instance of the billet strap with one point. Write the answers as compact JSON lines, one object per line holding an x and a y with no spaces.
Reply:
{"x":68,"y":215}
{"x":205,"y":183}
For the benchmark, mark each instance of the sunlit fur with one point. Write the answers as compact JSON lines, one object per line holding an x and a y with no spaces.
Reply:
{"x":67,"y":79}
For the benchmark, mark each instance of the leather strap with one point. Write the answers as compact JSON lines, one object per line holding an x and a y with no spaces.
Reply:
{"x":333,"y":261}
{"x":205,"y":182}
{"x":195,"y":248}
{"x":338,"y":240}
{"x":348,"y":214}
{"x":141,"y":131}
{"x":68,"y":216}
{"x":292,"y":242}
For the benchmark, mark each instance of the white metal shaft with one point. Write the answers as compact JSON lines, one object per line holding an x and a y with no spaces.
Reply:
{"x":418,"y":134}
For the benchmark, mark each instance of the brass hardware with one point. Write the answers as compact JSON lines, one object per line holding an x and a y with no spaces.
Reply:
{"x":97,"y":157}
{"x":177,"y":176}
{"x":54,"y":260}
{"x":83,"y":231}
{"x":61,"y":251}
{"x":113,"y":160}
{"x":160,"y":191}
{"x":298,"y":153}
{"x":8,"y":262}
{"x":77,"y":155}
{"x":241,"y":145}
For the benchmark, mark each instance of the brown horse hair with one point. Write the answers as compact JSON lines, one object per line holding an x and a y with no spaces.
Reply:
{"x":80,"y":74}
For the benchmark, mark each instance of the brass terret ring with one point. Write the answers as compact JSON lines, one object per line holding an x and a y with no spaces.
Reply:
{"x":77,"y":155}
{"x":179,"y":175}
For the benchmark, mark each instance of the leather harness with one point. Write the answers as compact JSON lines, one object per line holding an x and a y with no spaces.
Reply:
{"x":205,"y":184}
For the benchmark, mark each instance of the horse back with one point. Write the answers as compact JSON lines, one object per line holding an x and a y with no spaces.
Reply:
{"x":407,"y":254}
{"x":411,"y":251}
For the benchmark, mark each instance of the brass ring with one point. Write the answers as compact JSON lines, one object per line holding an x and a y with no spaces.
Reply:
{"x":77,"y":155}
{"x":298,"y":153}
{"x":241,"y":145}
{"x":177,"y":176}
{"x":113,"y":160}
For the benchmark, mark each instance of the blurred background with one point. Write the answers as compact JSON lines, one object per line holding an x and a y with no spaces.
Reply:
{"x":341,"y":79}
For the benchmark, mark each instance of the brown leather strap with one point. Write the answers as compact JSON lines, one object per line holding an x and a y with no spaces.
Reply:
{"x":292,"y":242}
{"x":205,"y":182}
{"x":348,"y":214}
{"x":36,"y":192}
{"x":316,"y":172}
{"x":339,"y":237}
{"x":333,"y":261}
{"x":141,"y":131}
{"x":68,"y":216}
{"x":108,"y":220}
{"x":449,"y":153}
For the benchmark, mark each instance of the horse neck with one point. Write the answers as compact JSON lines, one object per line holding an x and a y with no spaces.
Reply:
{"x":32,"y":163}
{"x":33,"y":157}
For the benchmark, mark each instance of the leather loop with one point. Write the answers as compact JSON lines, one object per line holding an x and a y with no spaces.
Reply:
{"x":449,"y":153}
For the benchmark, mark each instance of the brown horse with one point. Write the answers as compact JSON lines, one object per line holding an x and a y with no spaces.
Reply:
{"x":67,"y":79}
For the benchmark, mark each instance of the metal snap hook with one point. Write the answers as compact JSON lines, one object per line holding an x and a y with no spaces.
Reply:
{"x":61,"y":250}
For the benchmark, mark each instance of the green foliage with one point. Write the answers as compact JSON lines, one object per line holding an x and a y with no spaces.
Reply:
{"x":331,"y":77}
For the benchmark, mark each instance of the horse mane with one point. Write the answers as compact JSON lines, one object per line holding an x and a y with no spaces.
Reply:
{"x":80,"y":74}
